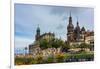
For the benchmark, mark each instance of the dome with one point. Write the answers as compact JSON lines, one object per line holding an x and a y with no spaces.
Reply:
{"x":70,"y":26}
{"x":77,"y":27}
{"x":82,"y":29}
{"x":38,"y":29}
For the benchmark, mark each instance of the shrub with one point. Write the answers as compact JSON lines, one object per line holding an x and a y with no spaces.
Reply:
{"x":19,"y":61}
{"x":60,"y":57}
{"x":39,"y":59}
{"x":50,"y":60}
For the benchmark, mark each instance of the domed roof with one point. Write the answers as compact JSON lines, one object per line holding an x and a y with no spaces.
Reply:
{"x":77,"y":27}
{"x":38,"y":29}
{"x":70,"y":26}
{"x":82,"y":29}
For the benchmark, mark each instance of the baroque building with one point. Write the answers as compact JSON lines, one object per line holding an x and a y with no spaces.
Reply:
{"x":48,"y":36}
{"x":34,"y":47}
{"x":78,"y":35}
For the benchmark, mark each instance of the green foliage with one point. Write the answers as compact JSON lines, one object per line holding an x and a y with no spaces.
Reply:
{"x":39,"y":59}
{"x":44,"y":44}
{"x":19,"y":61}
{"x":52,"y":43}
{"x":57,"y":43}
{"x":83,"y":56}
{"x":50,"y":60}
{"x":60,"y":57}
{"x":67,"y":56}
{"x":83,"y":46}
{"x":57,"y":58}
{"x":76,"y":46}
{"x":65,"y":47}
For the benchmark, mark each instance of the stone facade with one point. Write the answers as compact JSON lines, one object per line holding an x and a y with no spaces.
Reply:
{"x":34,"y":47}
{"x":77,"y":35}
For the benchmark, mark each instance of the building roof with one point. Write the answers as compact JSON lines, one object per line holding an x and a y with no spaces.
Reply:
{"x":88,"y":33}
{"x":82,"y":29}
{"x":50,"y":34}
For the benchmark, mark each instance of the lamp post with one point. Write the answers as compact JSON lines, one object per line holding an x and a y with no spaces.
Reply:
{"x":25,"y":50}
{"x":25,"y":62}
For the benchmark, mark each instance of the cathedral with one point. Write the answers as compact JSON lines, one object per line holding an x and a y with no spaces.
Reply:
{"x":77,"y":34}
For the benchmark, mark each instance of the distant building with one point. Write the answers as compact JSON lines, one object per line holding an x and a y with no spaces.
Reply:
{"x":77,"y":35}
{"x":34,"y":47}
{"x":47,"y":36}
{"x":89,"y":37}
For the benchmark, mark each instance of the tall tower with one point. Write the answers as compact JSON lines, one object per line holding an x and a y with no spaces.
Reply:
{"x":70,"y":30}
{"x":77,"y":32}
{"x":37,"y":33}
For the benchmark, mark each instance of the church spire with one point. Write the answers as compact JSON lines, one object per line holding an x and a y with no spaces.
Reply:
{"x":77,"y":21}
{"x":77,"y":30}
{"x":70,"y":29}
{"x":70,"y":26}
{"x":38,"y":25}
{"x":77,"y":26}
{"x":37,"y":32}
{"x":70,"y":18}
{"x":38,"y":29}
{"x":70,"y":13}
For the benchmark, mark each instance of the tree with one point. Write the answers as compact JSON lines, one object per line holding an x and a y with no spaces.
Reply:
{"x":50,"y":59}
{"x":65,"y":47}
{"x":83,"y":46}
{"x":57,"y":43}
{"x":52,"y":43}
{"x":60,"y":57}
{"x":44,"y":44}
{"x":39,"y":59}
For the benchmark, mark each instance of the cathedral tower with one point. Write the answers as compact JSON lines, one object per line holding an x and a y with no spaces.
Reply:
{"x":37,"y":33}
{"x":77,"y":31}
{"x":70,"y":30}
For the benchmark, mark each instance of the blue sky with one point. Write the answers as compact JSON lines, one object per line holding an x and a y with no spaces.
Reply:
{"x":50,"y":19}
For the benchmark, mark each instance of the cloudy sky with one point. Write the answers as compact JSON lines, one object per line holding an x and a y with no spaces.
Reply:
{"x":50,"y":19}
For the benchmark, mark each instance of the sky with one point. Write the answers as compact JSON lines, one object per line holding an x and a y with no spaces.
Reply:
{"x":53,"y":19}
